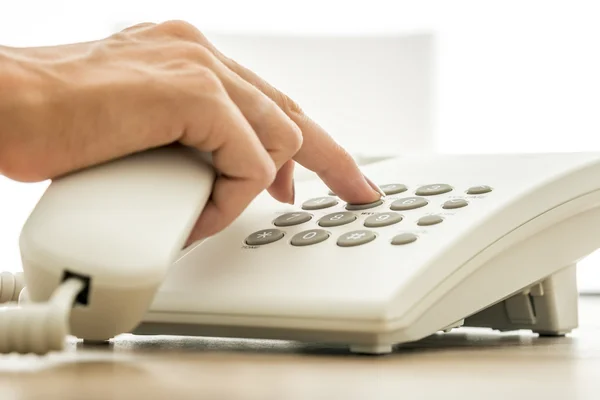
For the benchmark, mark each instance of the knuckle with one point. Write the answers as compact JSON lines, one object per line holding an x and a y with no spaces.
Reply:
{"x":287,"y":104}
{"x":294,"y":138}
{"x":180,"y":29}
{"x":194,"y":53}
{"x":265,"y":171}
{"x":204,"y":81}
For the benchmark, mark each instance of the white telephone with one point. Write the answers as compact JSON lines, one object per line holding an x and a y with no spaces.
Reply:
{"x":459,"y":240}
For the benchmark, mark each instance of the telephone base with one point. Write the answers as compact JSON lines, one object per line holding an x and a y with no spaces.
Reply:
{"x":548,"y":308}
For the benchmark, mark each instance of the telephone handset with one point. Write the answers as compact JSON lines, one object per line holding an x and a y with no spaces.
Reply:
{"x":459,"y":240}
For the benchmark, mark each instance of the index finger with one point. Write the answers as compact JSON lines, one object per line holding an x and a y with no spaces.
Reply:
{"x":319,"y":152}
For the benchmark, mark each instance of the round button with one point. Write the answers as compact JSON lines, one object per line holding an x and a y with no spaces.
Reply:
{"x":356,"y":207}
{"x":382,"y":219}
{"x":264,"y":237}
{"x":290,"y":219}
{"x":481,"y":189}
{"x":355,"y":238}
{"x":309,"y":237}
{"x":408,"y":203}
{"x":430,"y":190}
{"x":429,"y":220}
{"x":319,"y":203}
{"x":454,"y":203}
{"x":393,"y":188}
{"x":337,"y":219}
{"x":404,"y":238}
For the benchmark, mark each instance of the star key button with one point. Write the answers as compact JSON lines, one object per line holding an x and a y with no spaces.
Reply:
{"x":263,"y":237}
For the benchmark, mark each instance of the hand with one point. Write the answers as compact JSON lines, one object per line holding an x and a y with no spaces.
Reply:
{"x":73,"y":106}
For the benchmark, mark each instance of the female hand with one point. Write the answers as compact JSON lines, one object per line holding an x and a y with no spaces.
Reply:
{"x":63,"y":108}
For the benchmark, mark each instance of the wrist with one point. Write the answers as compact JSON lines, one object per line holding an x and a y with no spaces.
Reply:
{"x":21,"y":87}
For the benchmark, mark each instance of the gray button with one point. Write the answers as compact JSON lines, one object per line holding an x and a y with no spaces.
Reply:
{"x":429,"y":220}
{"x":455,"y":203}
{"x":337,"y":219}
{"x":408,"y":203}
{"x":290,"y":219}
{"x":307,"y":238}
{"x":355,"y":207}
{"x":479,"y":189}
{"x":355,"y":238}
{"x":430,"y":190}
{"x":319,"y":203}
{"x":404,"y":238}
{"x":393,"y":188}
{"x":264,"y":237}
{"x":382,"y":219}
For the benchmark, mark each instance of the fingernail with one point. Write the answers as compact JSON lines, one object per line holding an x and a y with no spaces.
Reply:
{"x":374,"y":186}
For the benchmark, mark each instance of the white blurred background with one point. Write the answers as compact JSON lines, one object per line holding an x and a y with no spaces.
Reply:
{"x":381,"y":76}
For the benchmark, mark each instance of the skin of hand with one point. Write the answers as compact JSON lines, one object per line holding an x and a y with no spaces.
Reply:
{"x":68,"y":107}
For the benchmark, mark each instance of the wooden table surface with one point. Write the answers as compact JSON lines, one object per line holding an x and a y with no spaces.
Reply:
{"x":465,"y":364}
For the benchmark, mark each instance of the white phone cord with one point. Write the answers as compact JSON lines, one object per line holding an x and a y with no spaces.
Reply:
{"x":34,"y":327}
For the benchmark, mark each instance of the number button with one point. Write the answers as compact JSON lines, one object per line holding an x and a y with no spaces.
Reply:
{"x":382,"y":219}
{"x":393,"y":188}
{"x":430,"y":190}
{"x":355,"y":207}
{"x":290,"y":219}
{"x":337,"y":219}
{"x":408,"y":203}
{"x":319,"y":203}
{"x":307,"y":238}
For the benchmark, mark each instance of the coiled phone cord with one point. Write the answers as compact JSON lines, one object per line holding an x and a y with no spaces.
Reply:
{"x":37,"y":328}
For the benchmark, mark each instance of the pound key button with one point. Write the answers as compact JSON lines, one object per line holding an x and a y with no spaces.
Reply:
{"x":355,"y":238}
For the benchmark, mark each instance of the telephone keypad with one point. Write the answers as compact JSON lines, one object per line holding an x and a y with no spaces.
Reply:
{"x":337,"y":219}
{"x":408,"y":203}
{"x":382,"y":219}
{"x":435,"y":189}
{"x":372,"y":220}
{"x":291,"y":219}
{"x":355,"y":238}
{"x":312,"y":236}
{"x":356,"y":207}
{"x":319,"y":203}
{"x":264,"y":236}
